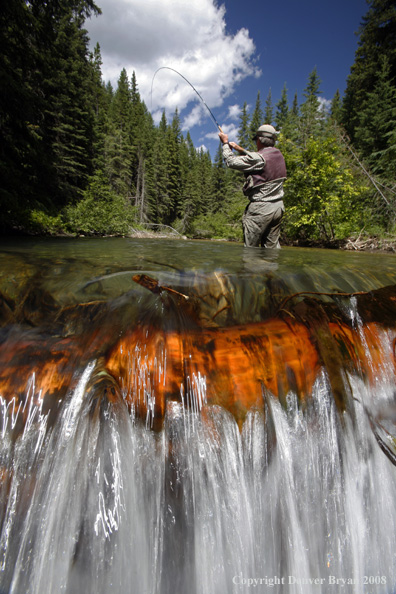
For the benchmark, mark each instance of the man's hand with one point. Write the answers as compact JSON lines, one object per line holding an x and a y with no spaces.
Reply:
{"x":236,"y":146}
{"x":223,"y":137}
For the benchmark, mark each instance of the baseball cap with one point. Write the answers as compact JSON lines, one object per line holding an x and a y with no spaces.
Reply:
{"x":265,"y":130}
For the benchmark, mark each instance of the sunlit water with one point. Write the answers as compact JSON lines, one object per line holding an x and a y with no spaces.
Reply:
{"x":295,"y":502}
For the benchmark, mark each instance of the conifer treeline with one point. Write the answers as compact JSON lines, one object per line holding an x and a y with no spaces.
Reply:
{"x":79,"y":156}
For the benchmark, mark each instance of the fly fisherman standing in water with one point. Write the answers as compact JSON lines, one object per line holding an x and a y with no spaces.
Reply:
{"x":265,"y":172}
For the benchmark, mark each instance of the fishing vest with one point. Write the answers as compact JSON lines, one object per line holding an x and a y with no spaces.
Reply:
{"x":275,"y":167}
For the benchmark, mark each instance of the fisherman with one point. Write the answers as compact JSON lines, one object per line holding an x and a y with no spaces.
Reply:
{"x":265,"y":172}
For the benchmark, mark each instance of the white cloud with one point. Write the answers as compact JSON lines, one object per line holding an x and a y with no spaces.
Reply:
{"x":187,"y":35}
{"x":229,"y":129}
{"x":203,"y":148}
{"x":194,"y":117}
{"x":234,"y":112}
{"x":324,"y":104}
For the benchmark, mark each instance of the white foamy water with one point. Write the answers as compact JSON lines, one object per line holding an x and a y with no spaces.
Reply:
{"x":297,"y":502}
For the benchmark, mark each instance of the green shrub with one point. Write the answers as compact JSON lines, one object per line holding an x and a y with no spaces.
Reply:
{"x":216,"y":226}
{"x":100,"y":211}
{"x":40,"y":221}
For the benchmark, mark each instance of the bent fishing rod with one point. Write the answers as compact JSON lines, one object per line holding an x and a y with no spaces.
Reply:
{"x":232,"y":144}
{"x":192,"y":86}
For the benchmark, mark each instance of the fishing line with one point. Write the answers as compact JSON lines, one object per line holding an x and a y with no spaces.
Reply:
{"x":192,"y":86}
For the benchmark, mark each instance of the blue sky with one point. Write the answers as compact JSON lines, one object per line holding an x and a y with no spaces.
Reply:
{"x":229,"y":51}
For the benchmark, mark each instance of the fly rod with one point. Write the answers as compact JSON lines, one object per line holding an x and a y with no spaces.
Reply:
{"x":232,"y":144}
{"x":194,"y":89}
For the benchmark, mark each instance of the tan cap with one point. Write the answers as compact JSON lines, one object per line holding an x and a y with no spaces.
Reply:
{"x":267,"y":131}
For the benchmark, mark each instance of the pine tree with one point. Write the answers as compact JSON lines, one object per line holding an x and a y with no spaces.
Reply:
{"x":269,"y":110}
{"x":375,"y":137}
{"x":100,"y":104}
{"x":65,"y":81}
{"x":282,"y":109}
{"x":377,"y":37}
{"x":52,"y":76}
{"x":295,"y":110}
{"x":369,"y":104}
{"x":175,"y":183}
{"x":255,"y":122}
{"x":161,"y":202}
{"x":137,"y":108}
{"x":191,"y":204}
{"x":336,"y":108}
{"x":311,"y":117}
{"x":291,"y":128}
{"x":141,"y":149}
{"x":244,"y":128}
{"x":118,"y":150}
{"x":20,"y":141}
{"x":218,"y":181}
{"x":155,"y":182}
{"x":205,"y":169}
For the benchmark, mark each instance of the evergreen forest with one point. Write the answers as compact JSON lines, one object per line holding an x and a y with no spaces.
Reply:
{"x":80,"y":157}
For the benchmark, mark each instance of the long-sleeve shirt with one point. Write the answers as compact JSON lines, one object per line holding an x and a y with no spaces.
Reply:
{"x":249,"y":163}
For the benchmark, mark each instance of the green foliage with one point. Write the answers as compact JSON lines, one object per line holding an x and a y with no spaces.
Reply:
{"x":377,"y":38}
{"x":376,"y":133}
{"x":255,"y":122}
{"x":19,"y":137}
{"x":323,"y":199}
{"x":269,"y":110}
{"x":45,"y":105}
{"x":117,"y":145}
{"x":100,"y":211}
{"x":216,"y":226}
{"x":369,"y":107}
{"x":41,"y":222}
{"x":244,"y":130}
{"x":310,"y":115}
{"x":222,"y":220}
{"x":282,"y":109}
{"x":336,"y":108}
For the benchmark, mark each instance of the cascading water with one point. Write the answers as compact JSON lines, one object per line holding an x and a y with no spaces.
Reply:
{"x":294,"y":496}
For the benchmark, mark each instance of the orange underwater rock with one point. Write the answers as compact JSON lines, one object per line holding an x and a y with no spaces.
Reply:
{"x":230,"y":366}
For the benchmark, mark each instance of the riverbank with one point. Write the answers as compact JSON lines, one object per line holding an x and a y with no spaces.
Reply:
{"x":358,"y":244}
{"x":367,"y":244}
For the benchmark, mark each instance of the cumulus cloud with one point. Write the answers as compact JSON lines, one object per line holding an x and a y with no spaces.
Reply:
{"x":194,"y":117}
{"x":188,"y":36}
{"x":202,"y":148}
{"x":234,"y":111}
{"x":230,"y":129}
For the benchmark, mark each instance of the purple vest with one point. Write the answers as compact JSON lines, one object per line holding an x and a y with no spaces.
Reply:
{"x":275,"y":167}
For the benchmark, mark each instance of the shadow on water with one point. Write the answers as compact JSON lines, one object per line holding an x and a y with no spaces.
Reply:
{"x":225,"y":421}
